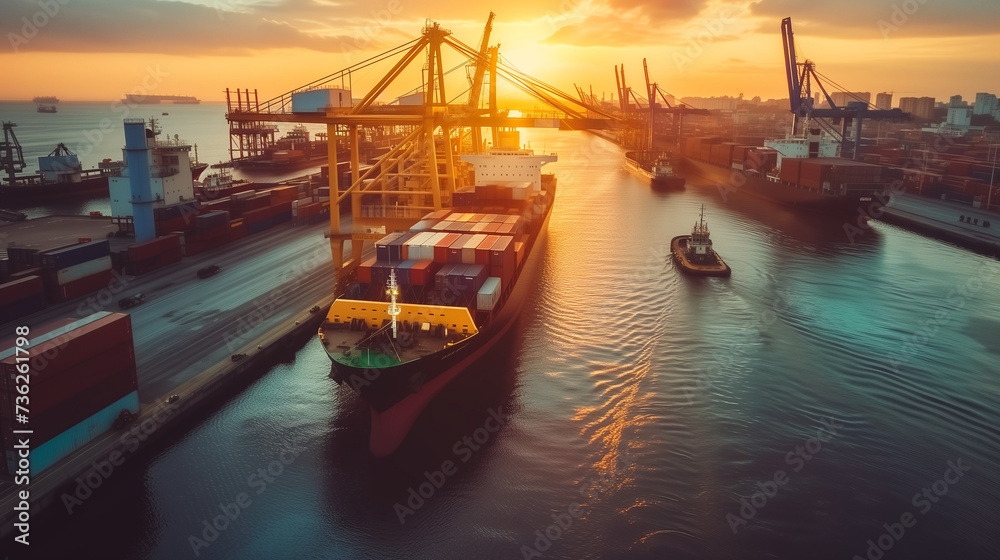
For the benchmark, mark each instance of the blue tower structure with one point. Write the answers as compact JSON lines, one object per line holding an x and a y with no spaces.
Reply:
{"x":138,"y":158}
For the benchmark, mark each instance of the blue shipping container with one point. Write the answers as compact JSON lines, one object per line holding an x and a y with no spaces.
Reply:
{"x":75,"y":254}
{"x":52,"y":451}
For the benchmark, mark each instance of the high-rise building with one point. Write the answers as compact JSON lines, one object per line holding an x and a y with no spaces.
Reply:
{"x":842,"y":98}
{"x":956,"y":101}
{"x":958,"y":116}
{"x":918,"y":107}
{"x":986,"y":104}
{"x":883,"y":101}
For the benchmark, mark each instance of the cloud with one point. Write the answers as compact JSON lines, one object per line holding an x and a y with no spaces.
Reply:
{"x":623,"y":23}
{"x":882,"y":19}
{"x":180,"y":28}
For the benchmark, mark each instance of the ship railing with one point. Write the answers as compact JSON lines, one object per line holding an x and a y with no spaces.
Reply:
{"x":382,"y":211}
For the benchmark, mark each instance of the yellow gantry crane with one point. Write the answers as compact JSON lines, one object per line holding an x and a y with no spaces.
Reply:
{"x":421,"y":172}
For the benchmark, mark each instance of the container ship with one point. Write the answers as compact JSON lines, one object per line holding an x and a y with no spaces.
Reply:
{"x":799,"y":172}
{"x":436,"y":298}
{"x":133,"y":99}
{"x":60,"y":174}
{"x":657,"y":167}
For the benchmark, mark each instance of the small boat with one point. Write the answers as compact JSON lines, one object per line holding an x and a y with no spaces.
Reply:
{"x":165,"y":114}
{"x":694,"y":253}
{"x":47,"y":109}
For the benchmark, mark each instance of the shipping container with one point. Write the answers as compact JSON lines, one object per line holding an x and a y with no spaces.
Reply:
{"x":421,"y":272}
{"x":442,"y":246}
{"x":484,"y":249}
{"x":52,"y":451}
{"x":469,"y":249}
{"x":488,"y":294}
{"x":75,"y":254}
{"x":82,"y":270}
{"x":365,"y":271}
{"x":212,"y":220}
{"x":414,"y":245}
{"x":60,"y":349}
{"x":81,"y":287}
{"x":61,"y":389}
{"x":20,"y":289}
{"x":455,"y":249}
{"x":22,"y":307}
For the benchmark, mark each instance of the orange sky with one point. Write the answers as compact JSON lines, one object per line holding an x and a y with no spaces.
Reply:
{"x":101,"y":49}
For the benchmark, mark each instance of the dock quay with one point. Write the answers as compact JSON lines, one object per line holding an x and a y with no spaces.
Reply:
{"x":185,"y":335}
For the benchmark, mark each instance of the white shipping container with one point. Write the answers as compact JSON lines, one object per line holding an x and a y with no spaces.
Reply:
{"x":413,"y":246}
{"x":519,"y":193}
{"x":427,"y":252}
{"x":469,"y":249}
{"x":83,"y":270}
{"x":488,"y":294}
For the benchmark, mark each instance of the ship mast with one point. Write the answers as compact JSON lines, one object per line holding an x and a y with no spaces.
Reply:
{"x":393,"y":291}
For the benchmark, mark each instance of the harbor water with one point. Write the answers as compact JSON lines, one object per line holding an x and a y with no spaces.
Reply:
{"x":837,"y":397}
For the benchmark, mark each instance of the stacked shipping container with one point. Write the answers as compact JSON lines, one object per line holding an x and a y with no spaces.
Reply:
{"x":82,"y":376}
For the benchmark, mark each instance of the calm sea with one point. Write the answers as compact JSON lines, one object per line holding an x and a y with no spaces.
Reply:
{"x":831,"y":400}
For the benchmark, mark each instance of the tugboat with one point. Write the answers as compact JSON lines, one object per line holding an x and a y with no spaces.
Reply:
{"x":656,"y":167}
{"x":694,"y":254}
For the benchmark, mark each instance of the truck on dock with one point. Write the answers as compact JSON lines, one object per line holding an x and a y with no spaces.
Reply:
{"x":208,"y":271}
{"x":131,"y":301}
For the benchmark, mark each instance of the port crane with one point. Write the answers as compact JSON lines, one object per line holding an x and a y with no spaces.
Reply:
{"x":800,"y":97}
{"x":421,"y":172}
{"x":11,"y":155}
{"x":642,"y":124}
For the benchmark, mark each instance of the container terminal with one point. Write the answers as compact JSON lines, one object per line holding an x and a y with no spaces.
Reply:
{"x":839,"y":155}
{"x":160,"y":236}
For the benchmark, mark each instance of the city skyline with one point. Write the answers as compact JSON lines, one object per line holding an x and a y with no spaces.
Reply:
{"x":99,"y":50}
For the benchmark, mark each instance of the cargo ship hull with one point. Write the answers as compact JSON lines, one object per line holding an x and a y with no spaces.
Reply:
{"x":93,"y":184}
{"x":396,"y":396}
{"x":730,"y":182}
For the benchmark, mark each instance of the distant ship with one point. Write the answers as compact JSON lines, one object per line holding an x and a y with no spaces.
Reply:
{"x":796,"y":172}
{"x":46,"y":109}
{"x":46,"y":99}
{"x":60,"y":174}
{"x":133,"y":99}
{"x":437,"y":298}
{"x":657,"y":167}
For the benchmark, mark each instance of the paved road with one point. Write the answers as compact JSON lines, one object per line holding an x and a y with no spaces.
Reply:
{"x":187,"y":323}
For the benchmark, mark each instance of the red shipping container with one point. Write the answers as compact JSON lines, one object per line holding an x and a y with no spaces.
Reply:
{"x":254,"y":216}
{"x":81,"y":287}
{"x":422,"y":273}
{"x":441,"y":247}
{"x":20,"y":289}
{"x":65,"y":351}
{"x":484,"y":249}
{"x":61,"y":389}
{"x":519,"y":252}
{"x":365,"y":271}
